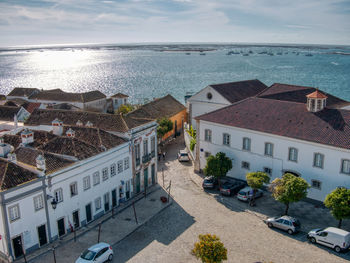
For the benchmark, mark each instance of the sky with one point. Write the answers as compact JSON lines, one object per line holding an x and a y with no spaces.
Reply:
{"x":36,"y":22}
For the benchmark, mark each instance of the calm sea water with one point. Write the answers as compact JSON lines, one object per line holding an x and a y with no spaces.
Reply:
{"x":145,"y":72}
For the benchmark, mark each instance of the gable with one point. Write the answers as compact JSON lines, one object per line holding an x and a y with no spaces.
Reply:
{"x":202,"y":96}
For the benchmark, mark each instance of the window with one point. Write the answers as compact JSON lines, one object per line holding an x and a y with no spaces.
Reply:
{"x":105,"y":174}
{"x":268,"y":170}
{"x":268,"y":149}
{"x":145,"y":147}
{"x":318,"y":160}
{"x":207,"y":135}
{"x":96,"y":178}
{"x":86,"y":182}
{"x":38,"y":202}
{"x":226,"y":139}
{"x":113,"y":170}
{"x":14,"y":212}
{"x":120,"y":166}
{"x":209,"y":96}
{"x":153,"y":144}
{"x":137,"y":154}
{"x":58,"y":195}
{"x":98,"y":203}
{"x":207,"y":154}
{"x":126,"y":163}
{"x":246,"y":144}
{"x":293,"y":154}
{"x":345,"y":166}
{"x":316,"y":184}
{"x":245,"y":165}
{"x":73,"y":189}
{"x":319,"y":104}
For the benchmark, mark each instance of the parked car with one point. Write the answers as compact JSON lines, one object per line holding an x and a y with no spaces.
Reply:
{"x":287,"y":223}
{"x":332,"y":237}
{"x":209,"y":182}
{"x":98,"y":253}
{"x":231,"y":188}
{"x":246,"y":194}
{"x":182,"y":156}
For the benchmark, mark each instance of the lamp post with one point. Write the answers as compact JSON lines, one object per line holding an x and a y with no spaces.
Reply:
{"x":54,"y":204}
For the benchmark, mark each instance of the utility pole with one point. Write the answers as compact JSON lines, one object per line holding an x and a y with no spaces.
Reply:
{"x":54,"y":254}
{"x":133,"y":206}
{"x":163,"y":176}
{"x":169,"y":191}
{"x":99,"y":233}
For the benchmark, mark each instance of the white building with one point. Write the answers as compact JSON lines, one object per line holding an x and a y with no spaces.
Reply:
{"x":309,"y":138}
{"x":118,"y":100}
{"x":217,"y":96}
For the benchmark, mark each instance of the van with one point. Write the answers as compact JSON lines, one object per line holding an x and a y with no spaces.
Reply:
{"x":332,"y":237}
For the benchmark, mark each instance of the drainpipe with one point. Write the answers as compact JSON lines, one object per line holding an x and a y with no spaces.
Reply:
{"x":6,"y":236}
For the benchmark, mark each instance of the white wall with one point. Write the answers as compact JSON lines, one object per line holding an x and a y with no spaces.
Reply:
{"x":330,"y":176}
{"x":199,"y":104}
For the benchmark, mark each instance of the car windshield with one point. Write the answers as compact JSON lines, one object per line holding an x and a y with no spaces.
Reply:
{"x":226,"y":185}
{"x":88,"y":255}
{"x":208,"y":181}
{"x":184,"y":154}
{"x":320,"y":230}
{"x":242,"y":193}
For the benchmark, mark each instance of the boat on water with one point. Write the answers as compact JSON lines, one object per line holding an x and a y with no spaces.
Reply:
{"x":202,"y":54}
{"x":270,"y":54}
{"x":245,"y":54}
{"x":279,"y":53}
{"x":188,"y":53}
{"x":263,"y":52}
{"x":308,"y":55}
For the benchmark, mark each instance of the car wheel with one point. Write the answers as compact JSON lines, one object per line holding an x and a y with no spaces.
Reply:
{"x":312,"y":240}
{"x":110,"y":257}
{"x":269,"y":225}
{"x":337,"y":249}
{"x":290,"y":231}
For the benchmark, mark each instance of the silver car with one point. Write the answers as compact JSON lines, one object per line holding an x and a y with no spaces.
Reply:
{"x":286,"y":223}
{"x":246,"y":194}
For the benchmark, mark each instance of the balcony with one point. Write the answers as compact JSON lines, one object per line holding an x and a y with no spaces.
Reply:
{"x":153,"y":154}
{"x":137,"y":161}
{"x":146,"y":158}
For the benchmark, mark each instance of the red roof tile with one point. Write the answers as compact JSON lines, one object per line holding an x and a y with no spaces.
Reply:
{"x":317,"y":95}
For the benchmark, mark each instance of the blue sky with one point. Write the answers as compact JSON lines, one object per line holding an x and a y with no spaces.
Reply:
{"x":33,"y":22}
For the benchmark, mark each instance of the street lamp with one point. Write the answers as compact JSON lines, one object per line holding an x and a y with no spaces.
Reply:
{"x":54,"y":203}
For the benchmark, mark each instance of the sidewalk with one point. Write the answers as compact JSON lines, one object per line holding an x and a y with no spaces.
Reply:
{"x":113,"y":230}
{"x":311,"y":216}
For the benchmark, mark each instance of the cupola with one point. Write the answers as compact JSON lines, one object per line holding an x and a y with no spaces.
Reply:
{"x":89,"y":124}
{"x":57,"y":127}
{"x":40,"y":163}
{"x":79,"y":123}
{"x":70,"y":133}
{"x":316,"y":101}
{"x":27,"y":136}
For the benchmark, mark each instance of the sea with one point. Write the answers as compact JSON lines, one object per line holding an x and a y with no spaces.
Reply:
{"x":149,"y":71}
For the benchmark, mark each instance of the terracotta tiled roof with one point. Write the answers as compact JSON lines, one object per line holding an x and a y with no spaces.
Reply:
{"x":22,"y":92}
{"x":317,"y":95}
{"x":17,"y":102}
{"x":7,"y":113}
{"x":31,"y":106}
{"x":289,"y":119}
{"x":107,"y":122}
{"x":67,"y":96}
{"x":12,"y":175}
{"x":163,"y":107}
{"x":53,"y":162}
{"x":65,"y":106}
{"x":236,"y":91}
{"x":295,"y":93}
{"x":120,"y":95}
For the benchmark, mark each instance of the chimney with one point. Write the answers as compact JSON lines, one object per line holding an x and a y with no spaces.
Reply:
{"x":89,"y":124}
{"x":316,"y":101}
{"x":12,"y":157}
{"x":27,"y":136}
{"x":5,"y":148}
{"x":57,"y":127}
{"x":40,"y":163}
{"x":70,"y":133}
{"x":79,"y":123}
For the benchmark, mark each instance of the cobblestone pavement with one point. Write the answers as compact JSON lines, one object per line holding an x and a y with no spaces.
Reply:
{"x":170,"y":236}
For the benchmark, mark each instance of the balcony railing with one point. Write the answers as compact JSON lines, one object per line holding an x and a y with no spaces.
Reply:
{"x":146,"y":158}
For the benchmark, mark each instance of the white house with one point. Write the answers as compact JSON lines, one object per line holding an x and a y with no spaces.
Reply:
{"x":274,"y":135}
{"x":118,"y":100}
{"x":217,"y":96}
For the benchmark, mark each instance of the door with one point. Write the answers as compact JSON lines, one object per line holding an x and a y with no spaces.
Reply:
{"x":61,"y":227}
{"x":114,"y":198}
{"x":106,"y":201}
{"x":101,"y":256}
{"x":76,"y":220}
{"x":145,"y":177}
{"x":324,"y":239}
{"x":138,"y":183}
{"x":153,"y":173}
{"x":42,"y":235}
{"x":17,"y":246}
{"x":88,"y":213}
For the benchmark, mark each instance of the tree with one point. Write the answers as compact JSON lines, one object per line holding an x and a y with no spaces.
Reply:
{"x":288,"y":189}
{"x":210,"y":249}
{"x":256,"y":181}
{"x":164,"y":126}
{"x":124,"y":109}
{"x":218,"y":165}
{"x":339,"y":203}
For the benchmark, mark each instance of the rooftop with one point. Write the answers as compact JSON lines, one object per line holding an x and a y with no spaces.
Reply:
{"x":22,"y":92}
{"x":59,"y":95}
{"x":236,"y":91}
{"x":288,"y":119}
{"x":7,"y":113}
{"x":120,"y":95}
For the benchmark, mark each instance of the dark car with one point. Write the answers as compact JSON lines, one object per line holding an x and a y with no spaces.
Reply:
{"x":209,"y":182}
{"x":231,"y":188}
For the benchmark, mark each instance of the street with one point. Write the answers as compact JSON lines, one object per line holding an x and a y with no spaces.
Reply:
{"x":171,"y":235}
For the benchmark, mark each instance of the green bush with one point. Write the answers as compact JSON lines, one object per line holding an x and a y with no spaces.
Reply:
{"x":192,"y":144}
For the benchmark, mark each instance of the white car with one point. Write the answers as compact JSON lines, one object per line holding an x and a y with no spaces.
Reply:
{"x":182,"y":156}
{"x":98,"y":253}
{"x":332,"y":237}
{"x":246,"y":194}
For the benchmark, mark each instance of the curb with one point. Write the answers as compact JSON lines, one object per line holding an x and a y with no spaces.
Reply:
{"x":138,"y":197}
